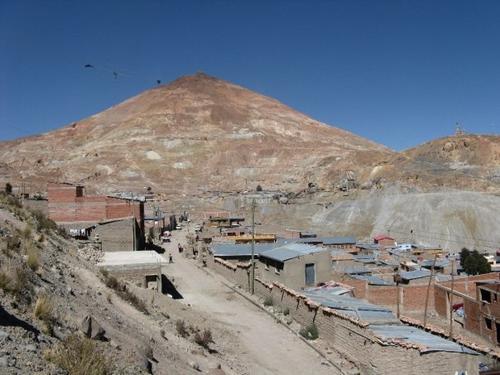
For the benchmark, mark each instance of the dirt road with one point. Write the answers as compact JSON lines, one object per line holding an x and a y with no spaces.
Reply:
{"x":265,"y":346}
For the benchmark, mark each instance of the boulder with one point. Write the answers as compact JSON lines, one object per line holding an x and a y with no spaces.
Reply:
{"x":92,"y":329}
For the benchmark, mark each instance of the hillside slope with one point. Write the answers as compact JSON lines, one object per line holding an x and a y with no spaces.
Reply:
{"x":194,"y":135}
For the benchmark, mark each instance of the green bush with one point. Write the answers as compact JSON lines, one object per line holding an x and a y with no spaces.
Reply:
{"x":286,"y":311}
{"x":268,"y":301}
{"x":310,"y":332}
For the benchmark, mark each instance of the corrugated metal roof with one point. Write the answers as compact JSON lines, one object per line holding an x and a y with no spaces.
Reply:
{"x":351,"y":306}
{"x":290,"y":251}
{"x":373,"y":280}
{"x":417,"y":274}
{"x":234,"y":250}
{"x":408,"y":334}
{"x":439,"y":263}
{"x":383,"y":323}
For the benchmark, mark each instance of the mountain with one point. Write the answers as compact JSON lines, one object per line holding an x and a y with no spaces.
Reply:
{"x":195,"y":135}
{"x":462,"y":161}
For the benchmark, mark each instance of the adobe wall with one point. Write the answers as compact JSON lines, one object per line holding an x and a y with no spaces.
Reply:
{"x":359,"y":345}
{"x":237,"y":273}
{"x":136,"y":276}
{"x":350,"y":337}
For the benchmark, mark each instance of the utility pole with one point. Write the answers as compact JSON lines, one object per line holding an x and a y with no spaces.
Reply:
{"x":253,"y":247}
{"x":397,"y":279}
{"x":428,"y":289}
{"x":451,"y":296}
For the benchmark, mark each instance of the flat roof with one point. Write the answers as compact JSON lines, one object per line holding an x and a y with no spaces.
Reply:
{"x":132,"y":259}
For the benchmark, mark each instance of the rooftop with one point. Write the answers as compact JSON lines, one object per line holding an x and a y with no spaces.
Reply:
{"x":131,"y":259}
{"x":235,"y":250}
{"x":290,"y":251}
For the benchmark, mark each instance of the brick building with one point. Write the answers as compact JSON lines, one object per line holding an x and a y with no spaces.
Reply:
{"x":384,"y":241}
{"x":480,"y":297}
{"x":116,"y":219}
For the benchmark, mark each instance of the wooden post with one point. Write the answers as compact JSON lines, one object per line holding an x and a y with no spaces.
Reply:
{"x":451,"y":297}
{"x":428,"y":290}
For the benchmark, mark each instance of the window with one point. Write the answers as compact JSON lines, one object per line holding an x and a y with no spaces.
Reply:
{"x":485,"y":295}
{"x":487,"y":321}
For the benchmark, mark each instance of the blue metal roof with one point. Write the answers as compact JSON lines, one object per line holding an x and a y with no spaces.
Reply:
{"x":235,"y":250}
{"x":290,"y":251}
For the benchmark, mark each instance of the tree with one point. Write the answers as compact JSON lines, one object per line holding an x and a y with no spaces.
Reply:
{"x":476,"y":264}
{"x":8,"y":188}
{"x":464,"y":253}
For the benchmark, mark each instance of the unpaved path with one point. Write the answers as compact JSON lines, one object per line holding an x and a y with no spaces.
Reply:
{"x":266,"y":346}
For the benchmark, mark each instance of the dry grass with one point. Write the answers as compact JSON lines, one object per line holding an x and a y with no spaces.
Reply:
{"x":124,"y":293}
{"x":5,"y":281}
{"x":43,"y":308}
{"x":33,"y":260}
{"x":79,"y":356}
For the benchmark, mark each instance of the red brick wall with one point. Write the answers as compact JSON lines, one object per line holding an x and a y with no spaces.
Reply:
{"x":472,"y":316}
{"x":65,"y":206}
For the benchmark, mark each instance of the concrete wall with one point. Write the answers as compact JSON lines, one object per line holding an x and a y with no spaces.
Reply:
{"x":119,"y":235}
{"x":293,"y":272}
{"x":349,"y":337}
{"x":137,"y":276}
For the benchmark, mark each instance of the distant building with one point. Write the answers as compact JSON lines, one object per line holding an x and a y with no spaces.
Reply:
{"x":295,"y":265}
{"x":384,"y":241}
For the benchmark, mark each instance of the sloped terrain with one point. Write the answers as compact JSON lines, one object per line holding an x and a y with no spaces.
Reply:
{"x":196,"y":134}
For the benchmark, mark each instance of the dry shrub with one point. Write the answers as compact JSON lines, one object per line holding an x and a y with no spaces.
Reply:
{"x":204,"y":339}
{"x":79,"y":356}
{"x":310,"y":332}
{"x":268,"y":301}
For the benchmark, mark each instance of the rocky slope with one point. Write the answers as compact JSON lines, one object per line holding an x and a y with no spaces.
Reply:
{"x":194,"y":135}
{"x":50,"y":292}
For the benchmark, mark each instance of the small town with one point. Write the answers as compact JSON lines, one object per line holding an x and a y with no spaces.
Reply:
{"x":223,"y":187}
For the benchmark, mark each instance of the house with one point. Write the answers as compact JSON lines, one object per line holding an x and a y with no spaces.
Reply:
{"x":71,"y":208}
{"x":142,"y":268}
{"x":482,"y":316}
{"x":258,"y":238}
{"x":347,"y":243}
{"x":119,"y":235}
{"x":384,"y":241}
{"x":238,"y":252}
{"x":415,"y":277}
{"x":295,"y":265}
{"x":225,"y":222}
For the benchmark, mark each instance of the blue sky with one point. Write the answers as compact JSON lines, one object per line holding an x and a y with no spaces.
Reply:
{"x":397,"y":72}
